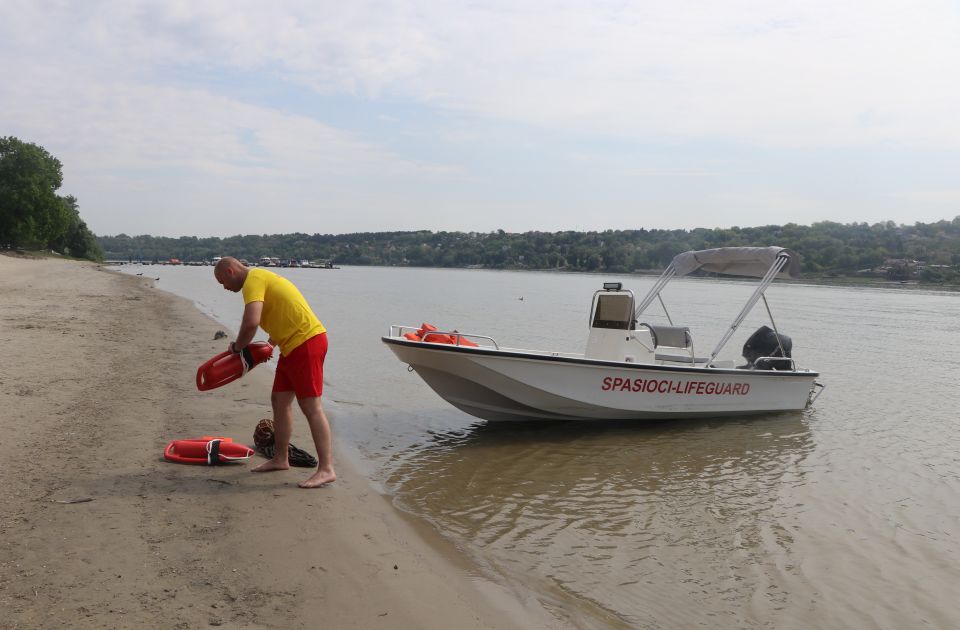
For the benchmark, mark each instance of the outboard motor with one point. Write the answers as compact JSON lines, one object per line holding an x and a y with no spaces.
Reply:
{"x":763,"y":344}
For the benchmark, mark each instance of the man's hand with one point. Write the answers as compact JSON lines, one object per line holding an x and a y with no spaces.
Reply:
{"x":233,"y":347}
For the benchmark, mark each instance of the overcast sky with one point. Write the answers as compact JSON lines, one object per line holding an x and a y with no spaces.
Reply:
{"x":213,"y":118}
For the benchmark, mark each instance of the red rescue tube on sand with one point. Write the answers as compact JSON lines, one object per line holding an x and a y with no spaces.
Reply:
{"x":208,"y":451}
{"x":227,"y":366}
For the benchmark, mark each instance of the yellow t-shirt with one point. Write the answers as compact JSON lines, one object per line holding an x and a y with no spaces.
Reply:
{"x":286,"y":316}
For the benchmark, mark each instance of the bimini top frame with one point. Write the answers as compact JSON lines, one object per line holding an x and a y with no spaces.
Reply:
{"x":766,"y":263}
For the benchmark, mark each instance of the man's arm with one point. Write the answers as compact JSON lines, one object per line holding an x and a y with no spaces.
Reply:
{"x":248,"y":326}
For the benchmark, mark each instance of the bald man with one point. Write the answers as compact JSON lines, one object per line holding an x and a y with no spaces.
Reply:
{"x":273,"y":303}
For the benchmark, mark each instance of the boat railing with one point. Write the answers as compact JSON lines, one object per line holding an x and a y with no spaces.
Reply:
{"x":397,"y":330}
{"x":655,"y":290}
{"x":774,"y":363}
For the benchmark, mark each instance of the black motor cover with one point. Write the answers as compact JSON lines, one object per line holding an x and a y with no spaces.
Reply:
{"x":763,"y":343}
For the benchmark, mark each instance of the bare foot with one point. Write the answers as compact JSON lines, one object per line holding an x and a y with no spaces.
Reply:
{"x":319,"y":478}
{"x":270,"y":465}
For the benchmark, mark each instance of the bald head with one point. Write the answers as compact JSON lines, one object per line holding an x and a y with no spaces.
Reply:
{"x":231,"y":273}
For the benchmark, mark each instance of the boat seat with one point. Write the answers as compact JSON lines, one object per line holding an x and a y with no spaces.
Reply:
{"x":672,"y":336}
{"x":675,"y":337}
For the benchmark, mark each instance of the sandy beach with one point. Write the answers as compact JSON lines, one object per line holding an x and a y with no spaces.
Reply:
{"x":98,"y":531}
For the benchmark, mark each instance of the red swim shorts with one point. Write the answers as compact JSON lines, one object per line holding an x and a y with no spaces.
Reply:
{"x":301,"y":371}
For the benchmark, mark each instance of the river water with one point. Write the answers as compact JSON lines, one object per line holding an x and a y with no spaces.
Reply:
{"x":844,"y":515}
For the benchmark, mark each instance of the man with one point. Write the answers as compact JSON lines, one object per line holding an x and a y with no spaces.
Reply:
{"x":273,"y":303}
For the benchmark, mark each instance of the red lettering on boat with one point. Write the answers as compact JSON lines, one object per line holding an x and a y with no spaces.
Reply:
{"x":657,"y":386}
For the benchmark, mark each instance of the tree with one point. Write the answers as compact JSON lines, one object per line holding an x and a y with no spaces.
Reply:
{"x":77,"y":240}
{"x":825,"y":247}
{"x":31,"y":213}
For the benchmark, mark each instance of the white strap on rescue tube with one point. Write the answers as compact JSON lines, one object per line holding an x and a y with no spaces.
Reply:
{"x":214,"y":452}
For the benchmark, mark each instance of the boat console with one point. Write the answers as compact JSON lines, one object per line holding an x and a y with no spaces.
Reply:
{"x":613,"y":327}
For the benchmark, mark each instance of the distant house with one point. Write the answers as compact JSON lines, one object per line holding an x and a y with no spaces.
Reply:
{"x":900,"y":268}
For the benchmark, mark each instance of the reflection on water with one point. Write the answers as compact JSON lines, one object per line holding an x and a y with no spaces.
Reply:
{"x":845,"y":516}
{"x":632,"y":519}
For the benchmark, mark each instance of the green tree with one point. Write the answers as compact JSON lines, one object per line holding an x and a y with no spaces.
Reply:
{"x":77,"y":241}
{"x":31,"y":213}
{"x":825,"y":247}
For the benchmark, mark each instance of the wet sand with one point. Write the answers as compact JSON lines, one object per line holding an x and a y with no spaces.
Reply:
{"x":98,"y":531}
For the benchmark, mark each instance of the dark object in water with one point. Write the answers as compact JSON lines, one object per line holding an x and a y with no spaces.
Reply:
{"x":764,"y":343}
{"x":219,"y":335}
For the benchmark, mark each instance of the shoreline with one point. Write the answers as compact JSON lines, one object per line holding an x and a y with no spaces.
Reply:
{"x":99,"y":531}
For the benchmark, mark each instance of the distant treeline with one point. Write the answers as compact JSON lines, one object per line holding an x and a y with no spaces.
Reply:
{"x":825,"y":247}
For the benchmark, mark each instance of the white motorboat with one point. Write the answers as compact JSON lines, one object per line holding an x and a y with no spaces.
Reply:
{"x":628,"y":370}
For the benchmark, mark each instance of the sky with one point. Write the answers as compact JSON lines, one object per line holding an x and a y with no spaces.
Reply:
{"x":226,"y":117}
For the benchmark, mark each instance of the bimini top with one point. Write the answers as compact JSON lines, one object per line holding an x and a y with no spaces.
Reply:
{"x":737,"y":261}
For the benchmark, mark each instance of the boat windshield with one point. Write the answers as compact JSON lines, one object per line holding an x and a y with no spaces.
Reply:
{"x":614,"y":311}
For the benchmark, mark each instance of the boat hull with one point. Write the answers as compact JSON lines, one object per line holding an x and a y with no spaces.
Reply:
{"x":500,"y":385}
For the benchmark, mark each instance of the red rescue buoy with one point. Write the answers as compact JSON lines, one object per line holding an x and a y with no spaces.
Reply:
{"x":228,"y":366}
{"x":207,"y":450}
{"x":427,"y":334}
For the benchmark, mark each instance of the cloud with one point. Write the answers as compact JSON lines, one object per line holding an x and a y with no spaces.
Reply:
{"x":790,"y":73}
{"x":164,"y":157}
{"x":199,"y":113}
{"x":932,"y":198}
{"x":764,"y":73}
